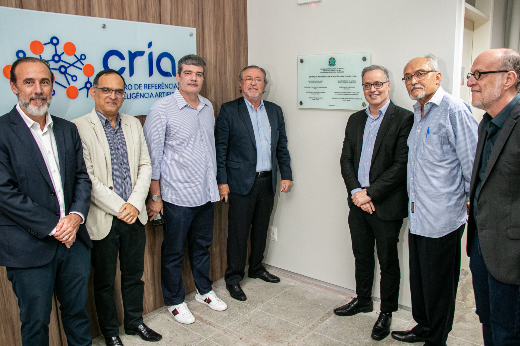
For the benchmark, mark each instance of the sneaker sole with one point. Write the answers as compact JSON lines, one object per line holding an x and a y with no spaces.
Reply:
{"x":209,"y":306}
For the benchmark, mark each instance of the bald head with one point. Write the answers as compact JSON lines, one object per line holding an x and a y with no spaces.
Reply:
{"x":498,"y":79}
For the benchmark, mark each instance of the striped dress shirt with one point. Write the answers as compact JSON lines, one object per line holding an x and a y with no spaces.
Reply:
{"x":442,"y":147}
{"x":118,"y":157}
{"x":181,"y":142}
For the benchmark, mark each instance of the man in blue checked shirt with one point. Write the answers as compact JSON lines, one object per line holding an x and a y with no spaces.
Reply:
{"x":179,"y":133}
{"x":442,"y":146}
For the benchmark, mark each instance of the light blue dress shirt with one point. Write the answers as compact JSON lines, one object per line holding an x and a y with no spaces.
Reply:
{"x":442,"y":147}
{"x":369,"y":140}
{"x":181,"y":143}
{"x":262,"y":130}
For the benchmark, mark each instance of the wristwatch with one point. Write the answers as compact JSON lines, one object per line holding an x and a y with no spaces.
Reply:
{"x":155,"y":198}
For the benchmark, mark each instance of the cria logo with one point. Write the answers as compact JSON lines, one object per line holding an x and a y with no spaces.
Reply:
{"x":67,"y":70}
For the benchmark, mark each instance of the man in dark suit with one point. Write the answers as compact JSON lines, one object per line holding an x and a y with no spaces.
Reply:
{"x":373,"y":165}
{"x":494,"y":213}
{"x":250,"y":144}
{"x":44,"y":199}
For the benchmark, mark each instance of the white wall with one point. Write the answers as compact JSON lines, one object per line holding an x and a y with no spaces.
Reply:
{"x":499,"y":24}
{"x":313,"y":233}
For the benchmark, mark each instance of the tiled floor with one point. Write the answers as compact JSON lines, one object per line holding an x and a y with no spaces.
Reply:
{"x":295,"y":311}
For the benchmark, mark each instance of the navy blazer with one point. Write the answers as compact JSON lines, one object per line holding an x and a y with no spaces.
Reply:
{"x":29,"y":208}
{"x":389,"y":158}
{"x":236,"y":146}
{"x":498,"y":217}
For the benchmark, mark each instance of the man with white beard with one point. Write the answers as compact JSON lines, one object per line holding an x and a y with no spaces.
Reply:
{"x":44,"y":199}
{"x":442,"y":146}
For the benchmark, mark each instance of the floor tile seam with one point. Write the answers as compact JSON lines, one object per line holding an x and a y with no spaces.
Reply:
{"x":297,"y":325}
{"x":329,"y":337}
{"x":226,"y":326}
{"x":471,"y":342}
{"x":268,"y":300}
{"x":188,"y":329}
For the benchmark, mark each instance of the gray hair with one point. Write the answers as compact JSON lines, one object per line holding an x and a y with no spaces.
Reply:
{"x":511,"y":62}
{"x":432,"y":62}
{"x":375,"y":67}
{"x":191,"y":59}
{"x":253,"y":66}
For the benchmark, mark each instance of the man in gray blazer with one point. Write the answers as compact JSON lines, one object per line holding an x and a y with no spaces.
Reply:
{"x":118,"y":163}
{"x":494,"y":213}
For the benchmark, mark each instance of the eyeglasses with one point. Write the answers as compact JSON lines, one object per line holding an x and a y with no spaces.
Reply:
{"x":419,"y":75}
{"x":250,"y":80}
{"x":477,"y":74}
{"x":377,"y":85}
{"x":108,"y":91}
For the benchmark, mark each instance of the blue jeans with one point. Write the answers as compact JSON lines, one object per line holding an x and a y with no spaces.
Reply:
{"x":195,"y":223}
{"x":498,"y":304}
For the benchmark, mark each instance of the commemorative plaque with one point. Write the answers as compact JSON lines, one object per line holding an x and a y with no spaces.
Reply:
{"x":331,"y":81}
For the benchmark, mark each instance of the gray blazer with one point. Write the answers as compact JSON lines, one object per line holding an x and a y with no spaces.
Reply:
{"x":498,"y":218}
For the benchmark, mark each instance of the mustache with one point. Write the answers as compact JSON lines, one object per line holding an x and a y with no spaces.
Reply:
{"x":416,"y":87}
{"x":38,"y":97}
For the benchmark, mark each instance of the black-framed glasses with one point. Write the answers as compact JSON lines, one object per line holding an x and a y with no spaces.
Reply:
{"x":108,"y":91}
{"x":407,"y":79}
{"x":477,"y":74}
{"x":377,"y":85}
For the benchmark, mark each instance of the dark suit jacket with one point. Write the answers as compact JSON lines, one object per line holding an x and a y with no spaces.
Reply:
{"x":498,"y":217}
{"x":236,"y":146}
{"x":388,"y":168}
{"x":29,"y":208}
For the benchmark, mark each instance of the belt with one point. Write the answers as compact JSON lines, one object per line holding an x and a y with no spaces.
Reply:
{"x":263,"y":174}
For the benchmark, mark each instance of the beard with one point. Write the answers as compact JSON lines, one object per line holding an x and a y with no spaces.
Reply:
{"x":420,"y":96}
{"x":489,"y":97}
{"x":33,"y":110}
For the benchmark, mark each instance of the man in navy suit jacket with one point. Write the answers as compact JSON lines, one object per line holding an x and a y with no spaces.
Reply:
{"x":44,"y":199}
{"x":250,"y":145}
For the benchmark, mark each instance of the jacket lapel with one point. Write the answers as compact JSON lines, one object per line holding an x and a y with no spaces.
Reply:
{"x":102,"y":139}
{"x":28,"y":141}
{"x":482,"y":134}
{"x":387,"y":120}
{"x":359,"y":139}
{"x":499,"y":145}
{"x":130,"y":147}
{"x":273,"y":125}
{"x":60,"y":147}
{"x":244,"y":112}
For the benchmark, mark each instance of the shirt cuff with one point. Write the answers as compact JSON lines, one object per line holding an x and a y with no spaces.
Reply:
{"x":53,"y":232}
{"x":355,"y":190}
{"x":80,"y":215}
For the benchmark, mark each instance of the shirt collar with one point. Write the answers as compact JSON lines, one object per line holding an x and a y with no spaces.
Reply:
{"x":30,"y":123}
{"x":181,"y":102}
{"x":250,"y":105}
{"x":380,"y":112}
{"x":500,"y":119}
{"x":104,"y":119}
{"x":436,"y":98}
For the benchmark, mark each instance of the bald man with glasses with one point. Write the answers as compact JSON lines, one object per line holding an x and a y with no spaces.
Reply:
{"x":441,"y":145}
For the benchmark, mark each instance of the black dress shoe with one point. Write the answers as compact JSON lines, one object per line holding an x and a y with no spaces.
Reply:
{"x":382,"y":327}
{"x":236,"y":292}
{"x":113,"y":341}
{"x":354,"y":307}
{"x":266,"y":276}
{"x":145,"y":333}
{"x":407,"y":336}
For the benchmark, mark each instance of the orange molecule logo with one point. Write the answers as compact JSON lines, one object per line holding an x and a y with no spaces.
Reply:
{"x":66,"y":65}
{"x":7,"y":71}
{"x":72,"y":92}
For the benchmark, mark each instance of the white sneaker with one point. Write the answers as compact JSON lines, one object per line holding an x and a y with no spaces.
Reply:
{"x":210,"y":299}
{"x":181,"y":313}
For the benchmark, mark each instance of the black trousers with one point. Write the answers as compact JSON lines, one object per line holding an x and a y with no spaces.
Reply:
{"x":251,"y":211}
{"x":66,"y":274}
{"x":129,"y":241}
{"x":434,"y":278}
{"x":367,"y":230}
